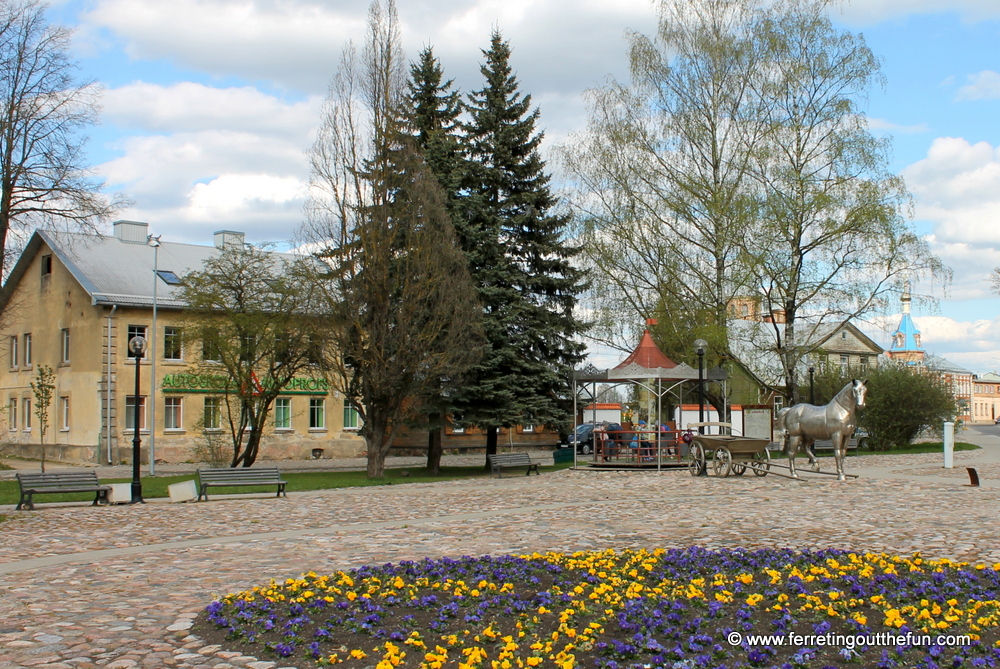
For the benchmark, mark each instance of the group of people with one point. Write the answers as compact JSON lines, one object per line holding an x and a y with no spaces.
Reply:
{"x":611,"y":438}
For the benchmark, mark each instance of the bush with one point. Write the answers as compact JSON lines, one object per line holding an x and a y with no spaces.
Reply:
{"x":902,"y":402}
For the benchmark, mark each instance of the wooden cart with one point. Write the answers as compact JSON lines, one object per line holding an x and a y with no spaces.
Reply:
{"x":728,"y":455}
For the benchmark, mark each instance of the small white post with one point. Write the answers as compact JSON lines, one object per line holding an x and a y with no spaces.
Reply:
{"x":949,"y":445}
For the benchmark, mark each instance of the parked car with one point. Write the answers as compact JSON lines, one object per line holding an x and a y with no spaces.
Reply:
{"x":583,"y":438}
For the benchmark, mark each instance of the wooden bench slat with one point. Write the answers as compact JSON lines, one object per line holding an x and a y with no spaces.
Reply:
{"x":262,"y":476}
{"x":32,"y":484}
{"x":501,"y":461}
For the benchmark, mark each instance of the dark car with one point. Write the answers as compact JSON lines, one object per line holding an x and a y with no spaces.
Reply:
{"x":583,"y":438}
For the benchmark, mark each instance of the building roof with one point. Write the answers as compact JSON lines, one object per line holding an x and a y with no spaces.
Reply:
{"x":939,"y":364}
{"x":115,"y":271}
{"x":647,"y":354}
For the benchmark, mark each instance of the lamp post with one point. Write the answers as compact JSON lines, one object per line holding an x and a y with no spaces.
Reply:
{"x":137,"y":347}
{"x":700,"y":345}
{"x":812,"y":389}
{"x":155,"y":243}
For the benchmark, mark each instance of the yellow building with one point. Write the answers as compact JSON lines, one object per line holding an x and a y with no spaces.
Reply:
{"x":986,"y":398}
{"x":73,"y":302}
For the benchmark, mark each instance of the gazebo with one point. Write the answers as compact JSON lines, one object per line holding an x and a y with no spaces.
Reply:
{"x":648,"y":368}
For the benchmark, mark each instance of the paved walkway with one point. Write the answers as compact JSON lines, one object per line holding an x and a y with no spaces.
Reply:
{"x":118,"y":586}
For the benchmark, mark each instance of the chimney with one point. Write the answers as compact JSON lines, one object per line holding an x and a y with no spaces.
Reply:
{"x":132,"y":232}
{"x":224,"y":238}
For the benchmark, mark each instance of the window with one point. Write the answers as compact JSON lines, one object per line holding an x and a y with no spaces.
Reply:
{"x":843,"y":334}
{"x":864,"y":363}
{"x":12,"y":413}
{"x":171,"y":343}
{"x":845,"y":360}
{"x":317,"y":413}
{"x":283,"y":413}
{"x":168,"y":277}
{"x":13,"y":351}
{"x":64,"y":412}
{"x":46,"y":265}
{"x":172,"y":416}
{"x":352,"y":421}
{"x":248,"y":347}
{"x":779,"y":402}
{"x":64,"y":345}
{"x":210,"y":349}
{"x":27,"y":350}
{"x":213,"y":413}
{"x":135,"y":331}
{"x":26,"y":413}
{"x":130,"y":413}
{"x":528,"y":426}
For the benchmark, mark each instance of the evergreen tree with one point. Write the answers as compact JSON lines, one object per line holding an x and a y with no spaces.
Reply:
{"x":518,"y":259}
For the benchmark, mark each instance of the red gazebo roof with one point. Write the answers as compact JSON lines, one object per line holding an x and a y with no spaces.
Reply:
{"x":647,"y":354}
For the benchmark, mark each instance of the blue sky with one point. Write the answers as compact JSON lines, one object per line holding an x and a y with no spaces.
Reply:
{"x":210,"y":107}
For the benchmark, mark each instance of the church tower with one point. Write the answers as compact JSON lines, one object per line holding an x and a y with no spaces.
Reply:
{"x":906,"y":346}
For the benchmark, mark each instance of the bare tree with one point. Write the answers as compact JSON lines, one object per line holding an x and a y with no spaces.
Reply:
{"x":43,"y":109}
{"x":257,"y":316}
{"x":405,"y":316}
{"x":42,"y":388}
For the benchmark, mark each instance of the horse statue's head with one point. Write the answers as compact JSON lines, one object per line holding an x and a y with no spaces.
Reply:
{"x":858,"y":390}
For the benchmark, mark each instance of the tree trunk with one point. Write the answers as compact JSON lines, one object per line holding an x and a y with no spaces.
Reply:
{"x":491,"y":445}
{"x":376,"y":458}
{"x":434,"y":448}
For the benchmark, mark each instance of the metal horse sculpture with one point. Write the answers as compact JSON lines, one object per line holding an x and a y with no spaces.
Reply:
{"x":803,"y":424}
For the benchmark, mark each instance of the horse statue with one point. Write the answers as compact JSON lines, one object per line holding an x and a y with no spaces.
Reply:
{"x":805,"y":423}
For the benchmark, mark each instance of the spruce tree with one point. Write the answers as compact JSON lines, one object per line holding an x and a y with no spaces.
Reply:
{"x":432,"y":119}
{"x":519,"y":260}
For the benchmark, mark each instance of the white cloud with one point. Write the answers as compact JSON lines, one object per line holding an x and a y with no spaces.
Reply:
{"x":958,"y":188}
{"x":882,"y":124}
{"x":187,"y":106}
{"x":982,"y":86}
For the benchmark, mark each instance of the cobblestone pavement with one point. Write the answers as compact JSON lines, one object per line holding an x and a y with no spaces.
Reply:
{"x":117,"y":587}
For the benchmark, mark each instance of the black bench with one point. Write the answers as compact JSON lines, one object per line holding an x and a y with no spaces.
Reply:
{"x":60,"y":482}
{"x":501,"y":461}
{"x":239,"y":476}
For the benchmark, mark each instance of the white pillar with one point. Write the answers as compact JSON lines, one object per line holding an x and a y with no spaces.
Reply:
{"x":949,"y":445}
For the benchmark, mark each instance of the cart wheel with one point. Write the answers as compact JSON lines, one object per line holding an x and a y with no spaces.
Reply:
{"x":761,"y":463}
{"x":697,"y":463}
{"x":722,"y":462}
{"x":738,"y":469}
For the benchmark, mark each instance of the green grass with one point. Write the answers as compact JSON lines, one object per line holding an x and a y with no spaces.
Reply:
{"x":156,"y":486}
{"x":929,"y":447}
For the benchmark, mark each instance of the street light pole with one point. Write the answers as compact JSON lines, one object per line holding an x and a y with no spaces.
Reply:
{"x":155,"y":243}
{"x":137,"y":347}
{"x":812,"y":389}
{"x":700,"y":345}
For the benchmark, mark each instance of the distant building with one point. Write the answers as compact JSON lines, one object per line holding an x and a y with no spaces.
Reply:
{"x":907,"y":349}
{"x":986,"y":398}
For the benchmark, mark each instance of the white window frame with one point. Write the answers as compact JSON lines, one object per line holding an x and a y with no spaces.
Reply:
{"x":173,"y":406}
{"x":26,"y":413}
{"x":12,"y":414}
{"x":217,"y":413}
{"x":130,"y":414}
{"x":351,"y":424}
{"x":27,"y":349}
{"x":283,"y":409}
{"x":64,"y":344}
{"x":174,"y":332}
{"x":14,"y":351}
{"x":64,"y":413}
{"x":317,"y":410}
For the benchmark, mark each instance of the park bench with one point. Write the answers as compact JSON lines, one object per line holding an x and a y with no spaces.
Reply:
{"x":59,"y":482}
{"x":239,"y":476}
{"x":501,"y":461}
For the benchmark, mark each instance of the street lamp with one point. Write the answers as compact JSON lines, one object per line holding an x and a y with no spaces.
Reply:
{"x":137,"y":347}
{"x":155,"y":243}
{"x":700,"y":345}
{"x":812,"y":389}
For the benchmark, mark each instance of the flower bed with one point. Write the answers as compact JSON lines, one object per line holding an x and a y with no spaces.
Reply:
{"x":616,"y":609}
